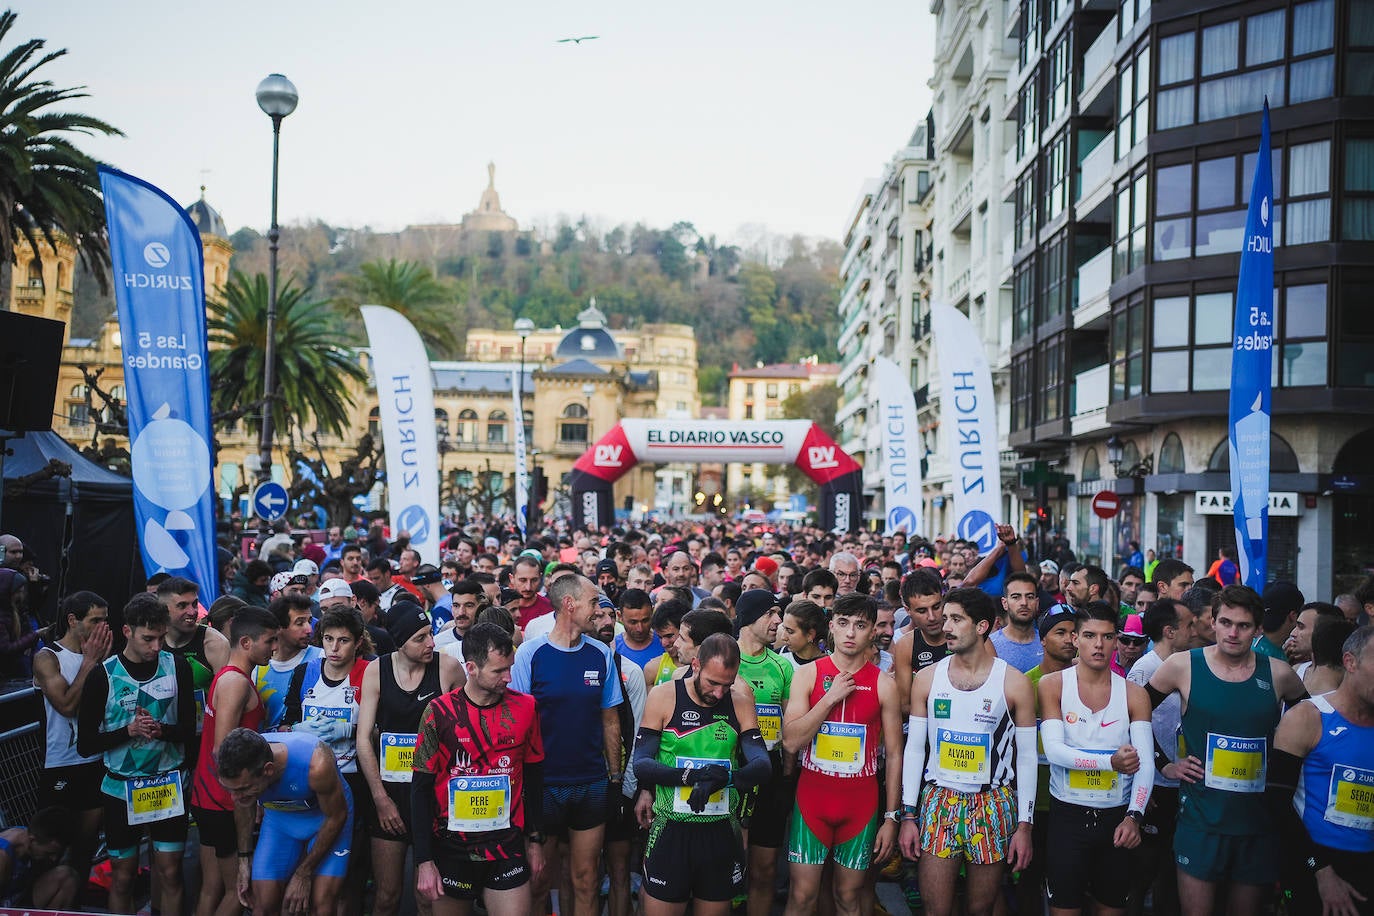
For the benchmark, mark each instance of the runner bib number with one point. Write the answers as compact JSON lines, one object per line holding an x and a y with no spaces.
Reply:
{"x":770,"y":722}
{"x":148,"y":799}
{"x":838,"y":748}
{"x":965,"y":756}
{"x":716,"y":805}
{"x":1351,"y":800}
{"x":478,"y":803}
{"x":1093,"y":786}
{"x":398,"y":755}
{"x":1235,"y":764}
{"x":200,"y":711}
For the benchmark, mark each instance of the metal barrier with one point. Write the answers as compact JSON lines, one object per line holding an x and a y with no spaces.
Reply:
{"x":21,"y":756}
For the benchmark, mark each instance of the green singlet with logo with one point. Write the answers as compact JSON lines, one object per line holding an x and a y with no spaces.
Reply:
{"x":695,"y":736}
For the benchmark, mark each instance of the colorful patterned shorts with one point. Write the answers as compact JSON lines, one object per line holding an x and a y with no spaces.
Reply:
{"x":975,"y":825}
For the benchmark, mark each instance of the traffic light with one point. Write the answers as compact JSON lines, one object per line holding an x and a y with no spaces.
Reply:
{"x":1042,"y":516}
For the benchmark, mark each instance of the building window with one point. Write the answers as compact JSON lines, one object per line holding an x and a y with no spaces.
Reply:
{"x":1092,"y":465}
{"x":441,"y":423}
{"x":1028,"y":117}
{"x":1359,"y":64}
{"x":748,"y":411}
{"x":771,"y":391}
{"x":1026,"y":202}
{"x":1022,"y":391}
{"x":748,"y":389}
{"x":572,"y":428}
{"x":1050,"y":391}
{"x":1058,"y":78}
{"x":374,"y":422}
{"x":1023,"y":299}
{"x":1355,"y":332}
{"x":1029,"y":46}
{"x":496,"y":426}
{"x":1133,"y":102}
{"x":1128,"y":352}
{"x":467,"y":426}
{"x":78,"y":415}
{"x":1130,"y":13}
{"x":1307,"y":208}
{"x":1302,"y":360}
{"x":1055,"y":277}
{"x":1357,"y":205}
{"x":1056,"y":170}
{"x":1131,"y":206}
{"x":1171,"y":455}
{"x":1175,"y":106}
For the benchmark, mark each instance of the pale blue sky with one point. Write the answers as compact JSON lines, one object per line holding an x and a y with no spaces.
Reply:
{"x":724,"y":114}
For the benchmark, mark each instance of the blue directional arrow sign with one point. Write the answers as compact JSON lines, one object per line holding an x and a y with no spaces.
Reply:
{"x":270,"y":501}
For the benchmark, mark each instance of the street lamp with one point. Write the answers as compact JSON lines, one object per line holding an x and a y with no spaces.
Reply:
{"x":277,"y":98}
{"x":588,"y":390}
{"x":524,"y":327}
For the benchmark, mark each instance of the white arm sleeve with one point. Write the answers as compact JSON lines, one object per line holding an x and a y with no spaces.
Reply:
{"x":1071,"y":758}
{"x":914,"y":760}
{"x":1143,"y":740}
{"x":1027,"y":773}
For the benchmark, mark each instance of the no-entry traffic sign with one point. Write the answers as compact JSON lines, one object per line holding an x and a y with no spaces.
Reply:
{"x":1106,"y":504}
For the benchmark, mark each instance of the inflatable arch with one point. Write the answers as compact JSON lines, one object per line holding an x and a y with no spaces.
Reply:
{"x":802,"y":442}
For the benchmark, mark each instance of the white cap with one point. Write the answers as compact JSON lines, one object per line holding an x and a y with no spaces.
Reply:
{"x":280,"y":581}
{"x":305,"y":568}
{"x":334,"y":588}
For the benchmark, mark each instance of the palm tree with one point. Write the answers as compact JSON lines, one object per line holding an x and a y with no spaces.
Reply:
{"x":47,"y":185}
{"x":314,"y":367}
{"x":408,"y":288}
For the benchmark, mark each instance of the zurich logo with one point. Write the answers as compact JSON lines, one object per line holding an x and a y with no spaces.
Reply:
{"x":901,"y":518}
{"x":979,"y":527}
{"x":415,"y":520}
{"x":1348,"y":775}
{"x":462,"y":785}
{"x":1264,"y":212}
{"x":156,"y":254}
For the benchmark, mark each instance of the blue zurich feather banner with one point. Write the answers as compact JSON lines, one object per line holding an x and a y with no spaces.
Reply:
{"x":159,"y":279}
{"x":1251,"y":367}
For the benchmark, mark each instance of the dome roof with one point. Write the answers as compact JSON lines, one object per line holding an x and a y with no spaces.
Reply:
{"x":589,"y":340}
{"x":206,"y":218}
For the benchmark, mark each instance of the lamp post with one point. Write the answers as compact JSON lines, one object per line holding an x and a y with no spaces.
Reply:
{"x":445,"y":446}
{"x":277,"y":98}
{"x":588,"y":389}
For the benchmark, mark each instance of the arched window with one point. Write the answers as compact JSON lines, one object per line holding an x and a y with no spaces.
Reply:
{"x":79,"y":392}
{"x":441,"y":423}
{"x":374,"y":422}
{"x":62,"y":282}
{"x":35,"y":274}
{"x":1282,"y":459}
{"x":1092,"y":466}
{"x":117,"y":392}
{"x":496,"y":427}
{"x":1130,"y":455}
{"x":1171,"y":455}
{"x":78,"y":414}
{"x":572,"y":427}
{"x":467,"y":426}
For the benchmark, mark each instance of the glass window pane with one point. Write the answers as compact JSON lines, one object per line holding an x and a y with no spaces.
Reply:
{"x":1220,"y":233}
{"x":1136,"y":318}
{"x":1243,"y":94}
{"x":1175,"y":108}
{"x":1142,"y":200}
{"x":1312,"y":26}
{"x":1359,"y":74}
{"x":1311,"y":79}
{"x":1216,"y":183}
{"x":1361,"y":25}
{"x":1309,"y":168}
{"x":1212,"y":317}
{"x":1264,"y":37}
{"x":1304,"y":363}
{"x":1220,"y":48}
{"x":1176,"y":58}
{"x":1305,"y":315}
{"x":1142,"y":74}
{"x":1173,"y":239}
{"x":1212,"y":369}
{"x":1174,"y":189}
{"x":1247,"y":173}
{"x":1359,"y":165}
{"x":1171,"y":322}
{"x":1308,"y":221}
{"x":1169,"y":371}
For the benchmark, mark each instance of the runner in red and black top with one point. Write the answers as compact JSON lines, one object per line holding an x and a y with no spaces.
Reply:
{"x":232,"y":701}
{"x":478,"y":790}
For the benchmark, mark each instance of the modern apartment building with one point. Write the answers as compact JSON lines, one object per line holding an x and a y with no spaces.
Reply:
{"x":758,"y":393}
{"x":1134,"y":132}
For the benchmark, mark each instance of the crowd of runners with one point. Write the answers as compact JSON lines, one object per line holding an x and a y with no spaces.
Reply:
{"x":709,"y":717}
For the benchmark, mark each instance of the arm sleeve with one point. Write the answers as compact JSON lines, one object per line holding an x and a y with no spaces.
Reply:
{"x":1143,"y":782}
{"x":422,"y":814}
{"x":1280,"y":785}
{"x":90,"y":740}
{"x":914,"y":760}
{"x":758,"y":766}
{"x":1060,"y":754}
{"x":533,"y":793}
{"x":648,"y":770}
{"x":1027,"y":773}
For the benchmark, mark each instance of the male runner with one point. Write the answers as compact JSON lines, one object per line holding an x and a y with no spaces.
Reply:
{"x":696,"y":626}
{"x":301,"y":855}
{"x":525,"y":577}
{"x":695,"y":731}
{"x":1230,"y":697}
{"x":1320,"y":786}
{"x":666,"y":622}
{"x":820,"y":586}
{"x":139,"y":712}
{"x":294,"y":617}
{"x":467,"y":599}
{"x":1169,"y":624}
{"x":924,"y":643}
{"x":230,"y":703}
{"x":576,"y":687}
{"x":1173,"y":577}
{"x":60,"y":669}
{"x":477,"y":793}
{"x":977,"y":715}
{"x":757,"y":616}
{"x":1018,"y":642}
{"x":202,"y":646}
{"x":41,"y":843}
{"x":639,"y":643}
{"x":1096,"y":730}
{"x":395,"y":691}
{"x":840,"y":710}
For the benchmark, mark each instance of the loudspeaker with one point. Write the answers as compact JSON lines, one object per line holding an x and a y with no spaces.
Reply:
{"x":30,"y":351}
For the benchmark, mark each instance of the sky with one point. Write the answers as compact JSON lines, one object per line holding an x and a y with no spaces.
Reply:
{"x":728,"y":115}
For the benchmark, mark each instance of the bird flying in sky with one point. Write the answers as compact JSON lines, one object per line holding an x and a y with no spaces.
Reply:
{"x":579,"y":40}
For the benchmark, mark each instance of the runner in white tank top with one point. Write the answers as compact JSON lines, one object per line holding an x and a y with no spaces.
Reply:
{"x":971,"y":732}
{"x":1092,"y":722}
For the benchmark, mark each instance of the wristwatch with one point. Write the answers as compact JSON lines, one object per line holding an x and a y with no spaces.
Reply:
{"x":1137,"y":816}
{"x":894,"y":816}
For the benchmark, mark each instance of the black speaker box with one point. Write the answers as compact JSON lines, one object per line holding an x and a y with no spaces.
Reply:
{"x":30,"y":351}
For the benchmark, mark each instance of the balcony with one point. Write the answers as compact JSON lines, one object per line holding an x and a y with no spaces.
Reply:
{"x":962,"y":206}
{"x":1094,"y":284}
{"x":958,"y":289}
{"x":28,"y":293}
{"x":1095,"y":172}
{"x":1008,"y":250}
{"x":1088,"y":400}
{"x":1097,"y":64}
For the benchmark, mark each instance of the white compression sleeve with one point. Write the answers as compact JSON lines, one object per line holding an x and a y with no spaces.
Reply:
{"x":1143,"y":782}
{"x":1027,"y":773}
{"x":1058,"y":752}
{"x":914,"y":760}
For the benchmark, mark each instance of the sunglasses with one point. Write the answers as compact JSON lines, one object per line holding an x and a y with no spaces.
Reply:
{"x":1132,"y":640}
